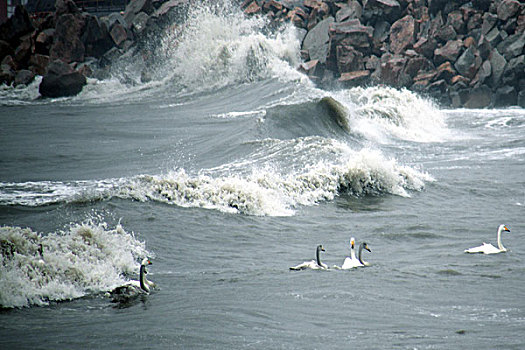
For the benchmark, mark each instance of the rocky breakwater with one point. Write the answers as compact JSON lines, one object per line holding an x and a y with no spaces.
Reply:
{"x":463,"y":53}
{"x":69,"y":45}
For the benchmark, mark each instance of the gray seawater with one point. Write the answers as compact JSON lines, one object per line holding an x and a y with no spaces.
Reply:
{"x":225,"y":178}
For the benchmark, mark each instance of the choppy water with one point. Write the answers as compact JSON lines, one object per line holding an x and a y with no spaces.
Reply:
{"x":228,"y":169}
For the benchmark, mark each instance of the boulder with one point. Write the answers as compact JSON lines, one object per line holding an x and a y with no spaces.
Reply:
{"x":348,"y":11}
{"x":446,"y":33}
{"x":61,"y":80}
{"x":23,"y":77}
{"x":426,"y":47}
{"x":5,"y":49}
{"x":514,"y":71}
{"x":393,"y":71}
{"x":375,"y":10}
{"x":23,"y":51}
{"x":479,"y":97}
{"x":455,"y":19}
{"x":468,"y":63}
{"x":38,"y":64}
{"x":418,"y":64}
{"x":508,"y":9}
{"x":135,"y":7}
{"x":497,"y":63}
{"x":44,"y":40}
{"x":355,"y":78}
{"x":7,"y":74}
{"x":445,"y":72}
{"x":118,"y":34}
{"x":484,"y":72}
{"x":95,"y":37}
{"x":17,"y":25}
{"x":402,"y":34}
{"x":317,"y":41}
{"x":348,"y":58}
{"x":138,"y":25}
{"x":450,"y":52}
{"x":353,"y":33}
{"x":67,"y":45}
{"x":505,"y":96}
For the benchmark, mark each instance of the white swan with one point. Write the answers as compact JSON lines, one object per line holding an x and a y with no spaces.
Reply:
{"x":312,"y":264}
{"x":134,"y":288}
{"x":489,"y":248}
{"x":352,"y":261}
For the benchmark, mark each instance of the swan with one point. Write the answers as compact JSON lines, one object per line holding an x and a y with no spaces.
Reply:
{"x":313,"y":264}
{"x":134,"y":288}
{"x":489,"y":248}
{"x":353,"y":261}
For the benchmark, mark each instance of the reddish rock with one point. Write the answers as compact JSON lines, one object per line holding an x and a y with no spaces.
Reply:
{"x":445,"y":72}
{"x":402,"y":34}
{"x":355,"y":78}
{"x":67,"y":45}
{"x":118,"y":34}
{"x":392,"y":71}
{"x":418,"y":64}
{"x":468,"y":63}
{"x":348,"y":58}
{"x":455,"y":19}
{"x":43,"y":41}
{"x":354,"y":34}
{"x":252,"y":8}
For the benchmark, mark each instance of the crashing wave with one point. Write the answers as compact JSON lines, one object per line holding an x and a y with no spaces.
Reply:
{"x":85,"y":259}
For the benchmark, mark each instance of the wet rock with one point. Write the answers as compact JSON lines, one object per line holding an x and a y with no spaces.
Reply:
{"x":426,"y":47}
{"x":138,"y":25}
{"x":514,"y":71}
{"x":61,"y":80}
{"x":479,"y":97}
{"x":135,"y":7}
{"x":7,"y":74}
{"x":348,"y":58}
{"x":402,"y":34}
{"x":118,"y":34}
{"x":23,"y":51}
{"x":95,"y":37}
{"x":352,"y":33}
{"x":23,"y":77}
{"x":505,"y":96}
{"x":355,"y":78}
{"x":393,"y":71}
{"x":418,"y":64}
{"x":445,"y":72}
{"x":317,"y":41}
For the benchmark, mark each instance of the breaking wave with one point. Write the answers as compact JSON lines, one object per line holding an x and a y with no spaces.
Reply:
{"x":274,"y":180}
{"x":85,"y":259}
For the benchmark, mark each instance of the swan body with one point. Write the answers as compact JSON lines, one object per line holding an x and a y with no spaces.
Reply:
{"x":353,"y":261}
{"x":487,"y":248}
{"x":134,"y":288}
{"x":312,"y":264}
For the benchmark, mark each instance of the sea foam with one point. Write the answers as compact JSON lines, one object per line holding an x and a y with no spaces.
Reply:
{"x":86,"y":258}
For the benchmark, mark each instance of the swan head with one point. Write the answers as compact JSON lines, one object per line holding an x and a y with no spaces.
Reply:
{"x":146,"y":262}
{"x":352,"y":242}
{"x":320,"y":248}
{"x":365,"y":245}
{"x":504,"y":228}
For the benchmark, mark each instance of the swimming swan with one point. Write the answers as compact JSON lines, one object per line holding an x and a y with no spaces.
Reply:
{"x":489,"y":248}
{"x":134,"y":288}
{"x":312,"y":264}
{"x":352,"y":261}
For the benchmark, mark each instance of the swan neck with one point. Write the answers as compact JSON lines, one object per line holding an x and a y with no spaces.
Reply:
{"x":500,"y":245}
{"x":318,"y":256}
{"x":359,"y":253}
{"x":143,"y":281}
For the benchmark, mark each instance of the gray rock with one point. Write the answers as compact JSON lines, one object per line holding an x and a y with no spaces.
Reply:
{"x":95,"y":37}
{"x":24,"y":77}
{"x":135,"y":7}
{"x":17,"y":25}
{"x":7,"y":74}
{"x":138,"y":25}
{"x":349,"y":11}
{"x":381,"y":9}
{"x":479,"y":97}
{"x":426,"y":47}
{"x":498,"y":64}
{"x":317,"y":41}
{"x":38,"y":64}
{"x":508,"y":8}
{"x":450,"y":52}
{"x":118,"y":34}
{"x":467,"y":65}
{"x":505,"y":96}
{"x":61,"y":80}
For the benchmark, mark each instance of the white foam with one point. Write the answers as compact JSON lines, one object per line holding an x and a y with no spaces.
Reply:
{"x":381,"y":112}
{"x":86,"y":258}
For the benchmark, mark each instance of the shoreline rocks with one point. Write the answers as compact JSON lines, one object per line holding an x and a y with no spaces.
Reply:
{"x":462,"y":54}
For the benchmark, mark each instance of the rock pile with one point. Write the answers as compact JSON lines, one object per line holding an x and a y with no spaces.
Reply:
{"x":464,"y":53}
{"x":66,"y":46}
